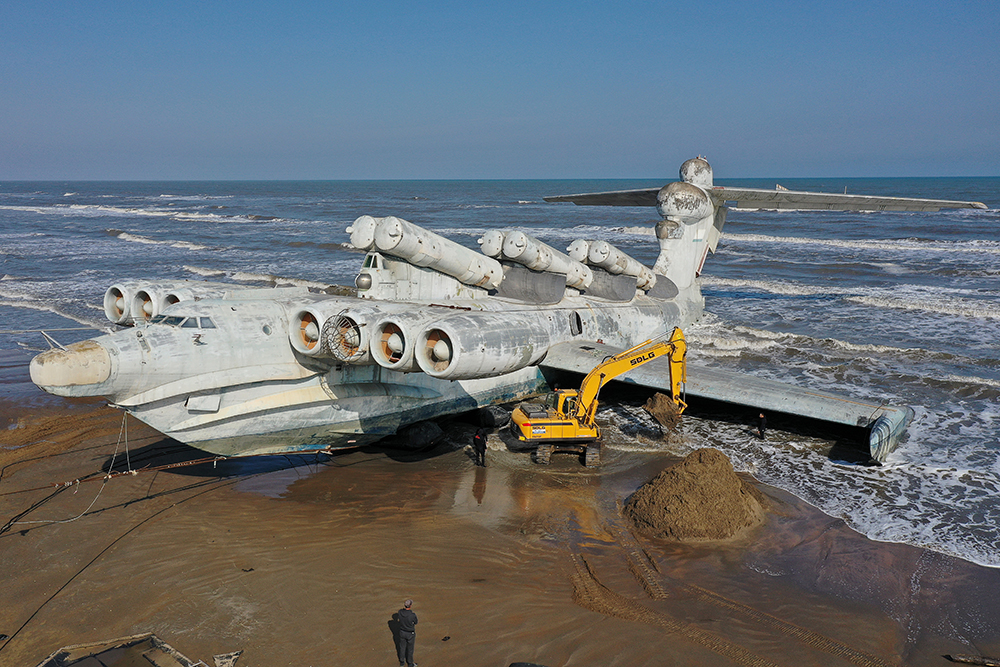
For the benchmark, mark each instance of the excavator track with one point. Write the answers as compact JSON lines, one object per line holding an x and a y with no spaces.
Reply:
{"x":592,"y":457}
{"x":590,"y":593}
{"x":544,"y":454}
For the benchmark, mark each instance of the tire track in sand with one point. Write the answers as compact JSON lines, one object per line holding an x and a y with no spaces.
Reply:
{"x":652,"y":581}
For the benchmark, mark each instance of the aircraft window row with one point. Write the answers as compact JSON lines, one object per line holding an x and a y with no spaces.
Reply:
{"x":184,"y":322}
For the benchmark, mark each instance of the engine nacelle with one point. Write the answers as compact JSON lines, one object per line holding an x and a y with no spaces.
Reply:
{"x":152,"y":298}
{"x":305,"y":331}
{"x":346,"y":336}
{"x":134,"y":300}
{"x":479,"y":345}
{"x":392,"y":342}
{"x":118,"y":301}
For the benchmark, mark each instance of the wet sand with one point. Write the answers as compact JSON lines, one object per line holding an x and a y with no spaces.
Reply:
{"x":304,"y":560}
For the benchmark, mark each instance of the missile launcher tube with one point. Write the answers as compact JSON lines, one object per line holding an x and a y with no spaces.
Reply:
{"x":532,"y":253}
{"x":399,"y":238}
{"x":362,"y":232}
{"x":491,"y":244}
{"x":613,"y":260}
{"x":578,"y":250}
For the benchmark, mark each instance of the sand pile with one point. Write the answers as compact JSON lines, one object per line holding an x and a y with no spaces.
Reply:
{"x":700,"y":498}
{"x":663,"y":409}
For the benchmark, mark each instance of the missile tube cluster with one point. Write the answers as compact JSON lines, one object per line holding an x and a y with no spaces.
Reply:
{"x":420,"y":247}
{"x":524,"y":249}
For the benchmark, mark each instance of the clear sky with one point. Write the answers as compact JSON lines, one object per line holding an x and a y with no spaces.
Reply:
{"x":216,"y":89}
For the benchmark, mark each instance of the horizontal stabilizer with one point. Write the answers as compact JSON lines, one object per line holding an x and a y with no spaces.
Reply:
{"x":884,"y":424}
{"x":772,"y":199}
{"x":791,"y":199}
{"x":646,"y":197}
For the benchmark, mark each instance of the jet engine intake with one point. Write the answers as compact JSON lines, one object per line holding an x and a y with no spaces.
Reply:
{"x":480,"y":345}
{"x":118,"y":301}
{"x":345,"y":335}
{"x":145,"y":304}
{"x":194,"y":291}
{"x":391,"y":343}
{"x":305,"y":332}
{"x":332,"y":329}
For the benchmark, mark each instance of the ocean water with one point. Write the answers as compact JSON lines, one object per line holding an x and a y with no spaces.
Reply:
{"x":895,"y":307}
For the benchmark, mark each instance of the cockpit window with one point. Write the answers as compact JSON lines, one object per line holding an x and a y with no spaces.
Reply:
{"x":190,"y":323}
{"x":172,"y":320}
{"x":157,"y":319}
{"x":207,"y":323}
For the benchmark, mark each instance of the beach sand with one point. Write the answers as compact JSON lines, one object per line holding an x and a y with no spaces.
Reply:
{"x":304,"y":560}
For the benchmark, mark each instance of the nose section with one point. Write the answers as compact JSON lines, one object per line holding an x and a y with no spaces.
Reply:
{"x":73,"y":371}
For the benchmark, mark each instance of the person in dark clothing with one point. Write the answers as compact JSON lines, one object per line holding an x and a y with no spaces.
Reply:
{"x":479,"y":445}
{"x":761,"y":425}
{"x":407,"y":635}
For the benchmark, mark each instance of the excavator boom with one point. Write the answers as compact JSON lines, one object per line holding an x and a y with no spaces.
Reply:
{"x":675,"y":346}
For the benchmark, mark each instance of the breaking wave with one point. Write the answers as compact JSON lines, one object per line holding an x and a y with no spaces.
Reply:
{"x":135,"y":238}
{"x":768,"y":286}
{"x":953,"y":306}
{"x":244,"y":276}
{"x":976,"y":245}
{"x":208,"y":273}
{"x":48,"y":307}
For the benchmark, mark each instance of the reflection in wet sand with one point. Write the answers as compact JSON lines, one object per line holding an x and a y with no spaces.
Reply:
{"x":303,"y":561}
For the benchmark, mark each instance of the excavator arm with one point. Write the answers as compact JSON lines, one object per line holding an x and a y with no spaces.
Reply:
{"x":674,"y":347}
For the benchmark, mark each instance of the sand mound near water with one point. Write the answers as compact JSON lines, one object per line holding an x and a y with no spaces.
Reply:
{"x":700,"y":498}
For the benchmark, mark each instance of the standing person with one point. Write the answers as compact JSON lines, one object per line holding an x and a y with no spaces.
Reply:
{"x":479,"y":445}
{"x":761,"y":425}
{"x":407,"y":635}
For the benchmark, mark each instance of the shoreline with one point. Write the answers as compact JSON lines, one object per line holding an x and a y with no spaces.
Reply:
{"x":297,"y":560}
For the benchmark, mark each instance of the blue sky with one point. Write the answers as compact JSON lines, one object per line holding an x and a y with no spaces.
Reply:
{"x":332,"y":90}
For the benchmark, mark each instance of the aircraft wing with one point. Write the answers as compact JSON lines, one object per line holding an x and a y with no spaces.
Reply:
{"x":772,"y":199}
{"x":884,"y":424}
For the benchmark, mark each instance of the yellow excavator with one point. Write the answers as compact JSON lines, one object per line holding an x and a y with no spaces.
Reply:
{"x":565,"y":420}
